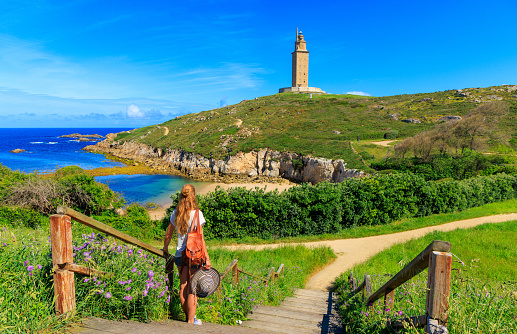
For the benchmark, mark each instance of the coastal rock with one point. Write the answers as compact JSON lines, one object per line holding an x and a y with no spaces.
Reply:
{"x":411,"y":120}
{"x":18,"y":150}
{"x":79,"y":136}
{"x":449,"y":118}
{"x":263,"y":163}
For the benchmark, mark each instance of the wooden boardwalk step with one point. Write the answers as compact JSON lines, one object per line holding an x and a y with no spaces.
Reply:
{"x":307,"y":312}
{"x":288,"y":313}
{"x":273,"y":319}
{"x":93,"y":325}
{"x":262,"y":325}
{"x":313,"y":293}
{"x":323,"y":304}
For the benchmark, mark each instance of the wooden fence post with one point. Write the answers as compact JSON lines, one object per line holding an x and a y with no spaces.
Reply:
{"x":62,"y":252}
{"x":438,"y":286}
{"x":169,"y":270}
{"x":389,"y":299}
{"x":235,"y":274}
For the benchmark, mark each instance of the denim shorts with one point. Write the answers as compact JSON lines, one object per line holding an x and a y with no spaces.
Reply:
{"x":178,"y":261}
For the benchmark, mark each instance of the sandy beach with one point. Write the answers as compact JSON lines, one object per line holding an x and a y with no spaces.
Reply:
{"x":159,"y":213}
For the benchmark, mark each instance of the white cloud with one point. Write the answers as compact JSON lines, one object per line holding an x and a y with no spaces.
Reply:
{"x":133,"y":111}
{"x":358,"y":93}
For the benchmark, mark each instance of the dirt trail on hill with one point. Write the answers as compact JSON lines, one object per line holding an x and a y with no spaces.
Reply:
{"x":351,"y":252}
{"x":385,"y":142}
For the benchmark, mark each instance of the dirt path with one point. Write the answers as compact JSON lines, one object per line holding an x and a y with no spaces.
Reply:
{"x":354,"y":251}
{"x":385,"y":142}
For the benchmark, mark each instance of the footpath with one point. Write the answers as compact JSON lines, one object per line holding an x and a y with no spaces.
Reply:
{"x":312,"y":309}
{"x":351,"y":252}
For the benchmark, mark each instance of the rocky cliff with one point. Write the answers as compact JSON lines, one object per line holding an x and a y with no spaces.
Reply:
{"x":262,"y":163}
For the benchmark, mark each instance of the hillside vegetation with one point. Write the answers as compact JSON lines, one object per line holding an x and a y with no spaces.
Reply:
{"x":325,"y":125}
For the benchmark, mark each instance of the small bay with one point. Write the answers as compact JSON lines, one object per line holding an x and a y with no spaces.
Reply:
{"x":148,"y":188}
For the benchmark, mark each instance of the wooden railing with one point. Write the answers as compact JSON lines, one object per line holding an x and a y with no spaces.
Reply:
{"x":64,"y":266}
{"x":63,"y":261}
{"x":438,"y":259}
{"x":233,"y":267}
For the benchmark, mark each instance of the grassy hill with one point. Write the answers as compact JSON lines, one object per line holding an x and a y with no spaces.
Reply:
{"x":321,"y":126}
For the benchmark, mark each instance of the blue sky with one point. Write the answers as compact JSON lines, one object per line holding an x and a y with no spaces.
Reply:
{"x":88,"y":63}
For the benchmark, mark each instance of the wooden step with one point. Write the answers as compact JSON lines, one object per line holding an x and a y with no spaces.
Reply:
{"x":273,"y":319}
{"x":319,"y":308}
{"x":313,"y":302}
{"x":294,"y":314}
{"x":302,"y":296}
{"x":313,"y":293}
{"x":262,"y":325}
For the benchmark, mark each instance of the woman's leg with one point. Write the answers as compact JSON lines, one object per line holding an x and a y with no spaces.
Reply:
{"x":183,"y":271}
{"x":191,"y":300}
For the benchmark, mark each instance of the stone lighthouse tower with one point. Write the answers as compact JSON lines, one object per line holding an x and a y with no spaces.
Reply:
{"x":300,"y":70}
{"x":300,"y":62}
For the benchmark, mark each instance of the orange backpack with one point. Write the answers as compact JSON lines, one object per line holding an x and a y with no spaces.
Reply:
{"x":195,"y":252}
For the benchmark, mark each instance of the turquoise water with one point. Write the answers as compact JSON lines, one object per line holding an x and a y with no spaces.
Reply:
{"x":147,"y":188}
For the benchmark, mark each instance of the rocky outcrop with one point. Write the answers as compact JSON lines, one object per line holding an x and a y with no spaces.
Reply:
{"x":262,"y":163}
{"x":18,"y":150}
{"x":80,"y":136}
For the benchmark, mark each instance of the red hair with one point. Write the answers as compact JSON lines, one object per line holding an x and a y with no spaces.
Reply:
{"x":187,"y":203}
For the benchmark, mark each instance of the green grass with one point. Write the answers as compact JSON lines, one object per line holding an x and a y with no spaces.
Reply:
{"x":483,"y":284}
{"x":299,"y":124}
{"x":397,"y":226}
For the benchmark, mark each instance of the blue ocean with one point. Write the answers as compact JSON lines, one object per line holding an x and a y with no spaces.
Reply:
{"x":45,"y":152}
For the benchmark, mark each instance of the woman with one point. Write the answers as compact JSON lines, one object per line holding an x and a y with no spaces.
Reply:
{"x":182,"y":220}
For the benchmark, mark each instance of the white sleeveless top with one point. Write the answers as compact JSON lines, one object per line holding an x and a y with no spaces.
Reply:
{"x":182,"y":238}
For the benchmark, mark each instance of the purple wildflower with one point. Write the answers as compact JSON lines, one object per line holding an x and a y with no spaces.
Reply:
{"x":5,"y":245}
{"x":30,"y":268}
{"x":144,"y":293}
{"x":150,"y":274}
{"x":86,"y":279}
{"x":168,"y":299}
{"x":107,"y":295}
{"x":128,"y":288}
{"x":133,"y":270}
{"x":400,"y":312}
{"x":26,"y":263}
{"x":39,"y":266}
{"x":128,"y":297}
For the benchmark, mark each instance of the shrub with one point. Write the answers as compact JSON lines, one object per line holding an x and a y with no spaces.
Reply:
{"x":391,"y":134}
{"x":330,"y":207}
{"x":17,"y":216}
{"x":366,"y":155}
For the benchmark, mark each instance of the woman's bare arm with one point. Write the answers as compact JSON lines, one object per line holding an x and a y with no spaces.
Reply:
{"x":167,"y":239}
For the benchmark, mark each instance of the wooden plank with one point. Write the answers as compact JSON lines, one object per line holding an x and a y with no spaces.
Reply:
{"x":270,"y":276}
{"x":273,"y":319}
{"x":62,"y":251}
{"x":280,"y":269}
{"x":97,"y":225}
{"x":81,"y":270}
{"x":419,"y":263}
{"x":277,"y":327}
{"x":228,"y":268}
{"x":438,"y":286}
{"x":313,"y":302}
{"x":314,"y":293}
{"x":281,"y":312}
